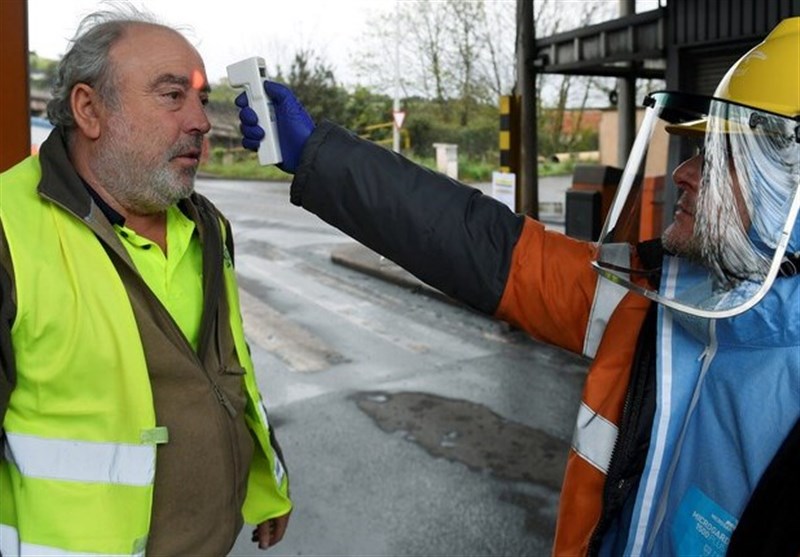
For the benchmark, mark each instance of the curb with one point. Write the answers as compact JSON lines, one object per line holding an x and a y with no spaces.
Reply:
{"x":360,"y":258}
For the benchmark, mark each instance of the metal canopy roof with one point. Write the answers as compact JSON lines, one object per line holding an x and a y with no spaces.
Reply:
{"x":630,"y":46}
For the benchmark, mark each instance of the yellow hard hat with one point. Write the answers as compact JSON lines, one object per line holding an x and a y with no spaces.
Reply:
{"x":768,"y":77}
{"x":748,"y":196}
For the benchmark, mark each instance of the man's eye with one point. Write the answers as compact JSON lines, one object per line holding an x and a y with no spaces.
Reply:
{"x":173,"y":95}
{"x":697,"y":145}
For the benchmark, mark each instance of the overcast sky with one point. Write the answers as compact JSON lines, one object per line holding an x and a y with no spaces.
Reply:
{"x":227,"y":31}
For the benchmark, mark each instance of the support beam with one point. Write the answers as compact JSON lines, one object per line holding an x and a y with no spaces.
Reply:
{"x":626,"y":93}
{"x":606,"y":49}
{"x":527,"y":201}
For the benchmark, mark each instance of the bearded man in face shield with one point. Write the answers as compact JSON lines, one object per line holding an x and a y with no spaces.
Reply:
{"x":688,"y":438}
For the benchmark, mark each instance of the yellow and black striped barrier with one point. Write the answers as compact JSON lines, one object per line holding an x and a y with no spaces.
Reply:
{"x":509,"y":134}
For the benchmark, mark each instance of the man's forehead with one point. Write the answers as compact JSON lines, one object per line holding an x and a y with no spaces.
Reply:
{"x":198,"y":80}
{"x":155,"y":51}
{"x":194,"y":80}
{"x":138,"y":33}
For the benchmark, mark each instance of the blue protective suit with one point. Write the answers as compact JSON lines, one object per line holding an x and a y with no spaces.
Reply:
{"x":728,"y":395}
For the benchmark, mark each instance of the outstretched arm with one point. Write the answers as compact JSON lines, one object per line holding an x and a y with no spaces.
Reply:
{"x":449,"y":235}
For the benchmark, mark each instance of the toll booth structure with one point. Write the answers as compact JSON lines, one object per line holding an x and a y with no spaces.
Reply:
{"x":689,"y":44}
{"x":589,"y":200}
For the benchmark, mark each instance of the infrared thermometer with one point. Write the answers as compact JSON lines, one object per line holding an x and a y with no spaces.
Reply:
{"x":250,"y":73}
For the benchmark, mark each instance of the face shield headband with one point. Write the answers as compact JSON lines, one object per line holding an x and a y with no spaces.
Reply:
{"x":737,"y":205}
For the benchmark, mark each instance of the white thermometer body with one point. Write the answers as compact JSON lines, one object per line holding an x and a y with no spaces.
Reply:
{"x":250,"y":73}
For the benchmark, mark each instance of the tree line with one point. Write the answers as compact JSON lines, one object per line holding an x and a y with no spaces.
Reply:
{"x":448,"y":62}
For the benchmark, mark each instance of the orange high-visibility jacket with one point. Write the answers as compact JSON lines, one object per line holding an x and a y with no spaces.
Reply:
{"x":476,"y":250}
{"x":565,"y":303}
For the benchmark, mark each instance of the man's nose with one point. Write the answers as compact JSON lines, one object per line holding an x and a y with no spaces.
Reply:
{"x":196,"y":117}
{"x":688,"y":174}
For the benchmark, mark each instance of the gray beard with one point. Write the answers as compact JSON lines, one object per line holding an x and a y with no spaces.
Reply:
{"x":688,"y":249}
{"x":143,"y":187}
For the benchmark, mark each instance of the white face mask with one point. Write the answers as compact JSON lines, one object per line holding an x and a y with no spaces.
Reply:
{"x":739,"y":197}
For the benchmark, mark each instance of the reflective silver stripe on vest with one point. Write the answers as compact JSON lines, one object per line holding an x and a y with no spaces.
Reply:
{"x":81,"y":461}
{"x":278,"y":472}
{"x":594,"y":438}
{"x":9,"y":541}
{"x":607,"y":296}
{"x":11,"y":547}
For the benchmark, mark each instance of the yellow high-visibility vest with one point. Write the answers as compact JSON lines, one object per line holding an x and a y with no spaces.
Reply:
{"x":80,"y":446}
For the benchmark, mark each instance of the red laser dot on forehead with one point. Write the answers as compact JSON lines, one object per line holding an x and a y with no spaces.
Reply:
{"x":198,"y":80}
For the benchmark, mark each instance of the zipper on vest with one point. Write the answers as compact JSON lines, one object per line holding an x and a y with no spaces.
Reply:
{"x":616,"y":487}
{"x":234,"y":448}
{"x":133,"y":280}
{"x":707,"y":356}
{"x":223,"y":400}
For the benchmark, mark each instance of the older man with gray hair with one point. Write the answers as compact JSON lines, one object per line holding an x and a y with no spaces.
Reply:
{"x":131,"y":418}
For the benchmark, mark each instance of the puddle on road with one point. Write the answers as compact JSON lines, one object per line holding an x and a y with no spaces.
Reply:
{"x":469,"y":433}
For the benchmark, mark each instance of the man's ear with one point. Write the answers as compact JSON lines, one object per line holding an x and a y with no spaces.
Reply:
{"x":86,"y":110}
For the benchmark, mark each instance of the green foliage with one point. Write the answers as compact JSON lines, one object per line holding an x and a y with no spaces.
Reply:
{"x":476,"y":170}
{"x":426,"y":126}
{"x":42,"y":72}
{"x":552,"y":138}
{"x":220,"y":103}
{"x":365,"y":108}
{"x":550,"y":168}
{"x":313,"y":81}
{"x":240,"y":164}
{"x":469,"y":122}
{"x":222,"y":93}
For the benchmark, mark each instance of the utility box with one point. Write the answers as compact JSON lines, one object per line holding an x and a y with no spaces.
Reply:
{"x":589,"y":199}
{"x":447,"y":159}
{"x":583,"y":220}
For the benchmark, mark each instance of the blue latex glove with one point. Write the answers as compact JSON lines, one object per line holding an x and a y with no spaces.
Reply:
{"x":294,"y":124}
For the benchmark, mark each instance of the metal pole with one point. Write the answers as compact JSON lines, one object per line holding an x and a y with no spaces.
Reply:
{"x":396,"y":103}
{"x":626,"y":100}
{"x":528,"y":190}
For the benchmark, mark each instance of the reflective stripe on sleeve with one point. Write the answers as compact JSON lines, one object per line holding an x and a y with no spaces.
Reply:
{"x":278,"y":472}
{"x":81,"y":461}
{"x":594,"y":438}
{"x":607,"y":296}
{"x":262,"y":413}
{"x":10,"y":546}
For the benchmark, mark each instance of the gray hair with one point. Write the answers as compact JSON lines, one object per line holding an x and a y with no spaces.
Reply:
{"x":87,"y":60}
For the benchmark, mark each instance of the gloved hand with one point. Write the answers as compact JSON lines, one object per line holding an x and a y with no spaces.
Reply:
{"x":294,"y":124}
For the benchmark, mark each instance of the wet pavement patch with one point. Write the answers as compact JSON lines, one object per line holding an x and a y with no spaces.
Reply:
{"x":469,"y":433}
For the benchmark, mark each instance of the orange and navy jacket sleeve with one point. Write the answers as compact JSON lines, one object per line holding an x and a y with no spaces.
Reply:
{"x":550,"y":287}
{"x":449,"y":235}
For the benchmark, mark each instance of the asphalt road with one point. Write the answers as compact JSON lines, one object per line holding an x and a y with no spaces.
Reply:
{"x":410,"y":424}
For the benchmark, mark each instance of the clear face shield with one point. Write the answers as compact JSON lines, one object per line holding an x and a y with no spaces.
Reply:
{"x":738,"y":200}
